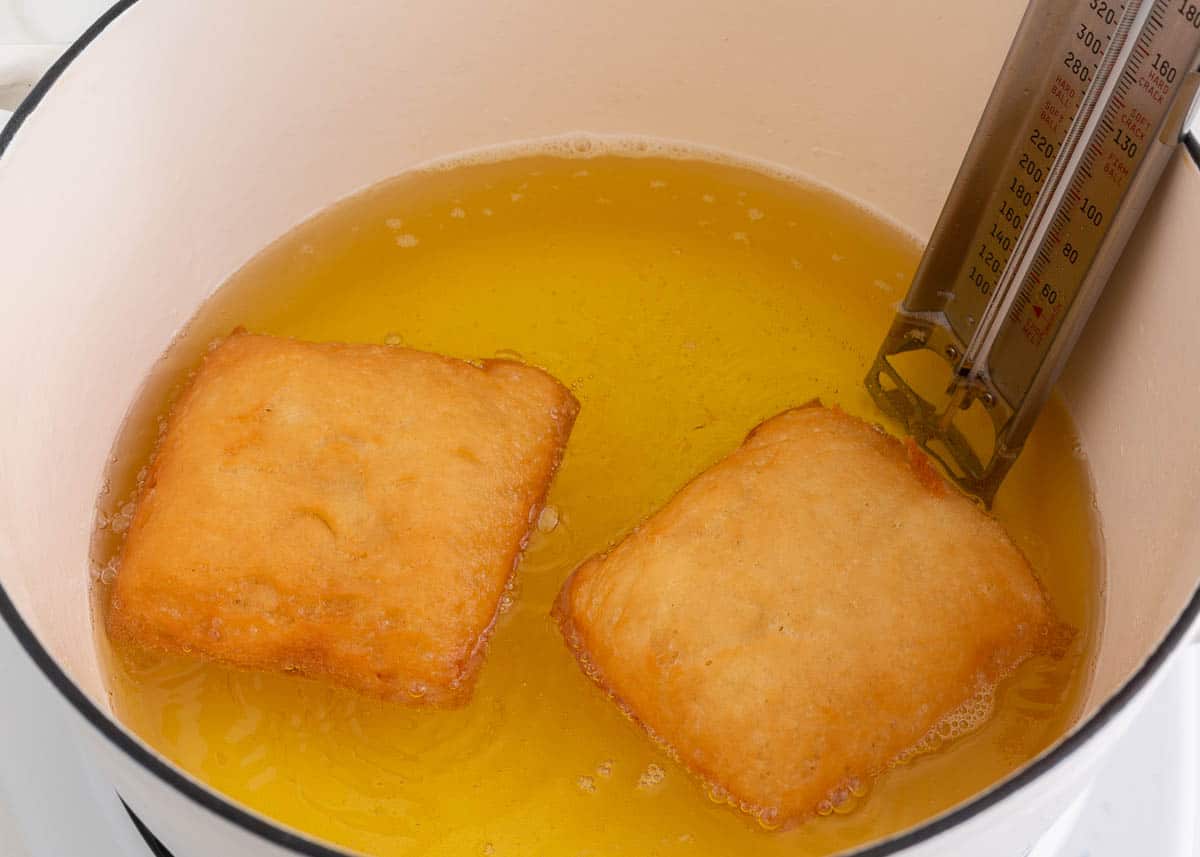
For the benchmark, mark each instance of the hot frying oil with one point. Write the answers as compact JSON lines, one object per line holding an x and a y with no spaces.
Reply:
{"x":683,"y":301}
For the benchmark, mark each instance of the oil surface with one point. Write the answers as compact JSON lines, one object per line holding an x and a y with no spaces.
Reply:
{"x":683,"y":302}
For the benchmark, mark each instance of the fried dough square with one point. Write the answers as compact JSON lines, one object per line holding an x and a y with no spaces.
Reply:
{"x":804,"y":613}
{"x":348,"y":512}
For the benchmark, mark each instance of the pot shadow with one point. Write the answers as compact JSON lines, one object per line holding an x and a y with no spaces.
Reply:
{"x":156,"y":847}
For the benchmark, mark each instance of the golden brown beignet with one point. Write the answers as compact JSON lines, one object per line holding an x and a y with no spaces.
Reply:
{"x":348,"y":512}
{"x":804,"y":612}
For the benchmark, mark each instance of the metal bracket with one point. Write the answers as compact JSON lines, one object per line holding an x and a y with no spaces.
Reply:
{"x":932,"y":428}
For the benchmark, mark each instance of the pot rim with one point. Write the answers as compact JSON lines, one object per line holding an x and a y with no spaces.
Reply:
{"x":301,"y":844}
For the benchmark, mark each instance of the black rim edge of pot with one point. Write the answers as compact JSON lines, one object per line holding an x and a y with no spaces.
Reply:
{"x":277,"y":835}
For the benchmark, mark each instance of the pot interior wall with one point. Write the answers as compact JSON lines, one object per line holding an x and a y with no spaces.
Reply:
{"x":187,"y":136}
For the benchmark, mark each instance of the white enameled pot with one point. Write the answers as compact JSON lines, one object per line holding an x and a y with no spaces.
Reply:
{"x":176,"y":139}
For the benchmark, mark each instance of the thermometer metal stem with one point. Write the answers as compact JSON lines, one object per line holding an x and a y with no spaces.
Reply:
{"x":1089,"y":106}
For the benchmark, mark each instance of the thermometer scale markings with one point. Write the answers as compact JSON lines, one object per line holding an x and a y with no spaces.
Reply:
{"x":1114,"y":123}
{"x":1048,"y":193}
{"x":1062,"y":218}
{"x":1092,"y":30}
{"x":1027,"y":298}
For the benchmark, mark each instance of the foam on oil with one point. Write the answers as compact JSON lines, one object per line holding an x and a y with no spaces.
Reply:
{"x":684,"y":299}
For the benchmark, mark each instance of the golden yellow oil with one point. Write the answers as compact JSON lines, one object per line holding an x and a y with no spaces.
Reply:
{"x":683,"y":301}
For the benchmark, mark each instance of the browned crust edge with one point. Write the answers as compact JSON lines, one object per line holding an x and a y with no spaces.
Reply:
{"x":120,"y":627}
{"x":1054,"y":638}
{"x":473,"y":662}
{"x":766,"y":817}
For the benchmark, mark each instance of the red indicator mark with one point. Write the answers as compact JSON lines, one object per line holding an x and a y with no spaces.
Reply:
{"x":1136,"y":123}
{"x":1062,"y":90}
{"x":1051,"y":116}
{"x":1116,"y":168}
{"x":1153,"y":88}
